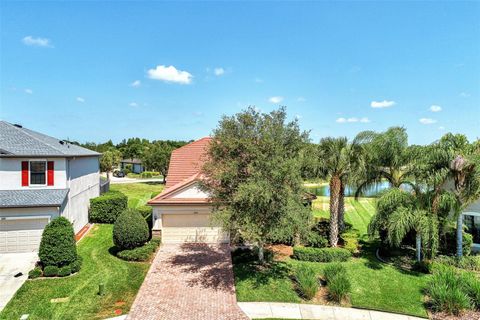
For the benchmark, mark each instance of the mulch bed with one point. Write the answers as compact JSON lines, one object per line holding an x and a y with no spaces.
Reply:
{"x":281,"y":251}
{"x":470,"y":315}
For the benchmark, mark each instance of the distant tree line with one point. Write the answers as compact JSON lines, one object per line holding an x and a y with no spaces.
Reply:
{"x":155,"y":154}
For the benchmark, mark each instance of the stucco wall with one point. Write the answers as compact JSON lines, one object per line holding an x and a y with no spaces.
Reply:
{"x":181,"y":210}
{"x":22,"y":212}
{"x":192,"y":192}
{"x":11,"y":173}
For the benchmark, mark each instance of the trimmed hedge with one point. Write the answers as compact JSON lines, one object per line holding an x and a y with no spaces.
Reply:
{"x":142,"y":253}
{"x":50,"y":271}
{"x":321,"y":254}
{"x":35,"y":273}
{"x":57,"y":247}
{"x":107,"y":207}
{"x":130,"y":230}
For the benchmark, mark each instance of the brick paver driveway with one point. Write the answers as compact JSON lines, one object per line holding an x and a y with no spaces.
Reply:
{"x":189,"y":281}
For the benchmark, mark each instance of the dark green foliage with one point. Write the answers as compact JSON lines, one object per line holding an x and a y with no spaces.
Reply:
{"x":76,"y":265}
{"x":107,"y":207}
{"x":321,"y":254}
{"x":50,"y":271}
{"x":315,"y":240}
{"x":35,"y":273}
{"x":471,"y":263}
{"x":449,"y":243}
{"x":424,"y":266}
{"x":57,"y":247}
{"x":65,"y":271}
{"x":332,"y":270}
{"x":243,"y":255}
{"x":451,"y":291}
{"x":142,"y":253}
{"x":130,"y":230}
{"x":339,"y":287}
{"x":307,"y":281}
{"x":146,"y":212}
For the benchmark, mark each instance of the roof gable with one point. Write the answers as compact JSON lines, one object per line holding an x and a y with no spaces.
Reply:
{"x":19,"y":141}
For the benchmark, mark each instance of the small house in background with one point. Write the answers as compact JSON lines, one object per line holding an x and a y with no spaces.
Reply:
{"x":134,"y":165}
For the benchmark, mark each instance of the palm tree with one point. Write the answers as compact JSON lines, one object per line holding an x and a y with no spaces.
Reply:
{"x":338,"y":161}
{"x":389,"y":158}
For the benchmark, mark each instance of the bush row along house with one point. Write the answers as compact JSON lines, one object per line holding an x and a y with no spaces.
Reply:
{"x":41,"y":178}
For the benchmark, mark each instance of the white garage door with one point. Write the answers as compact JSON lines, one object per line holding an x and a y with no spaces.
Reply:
{"x":182,"y":228}
{"x":21,"y":235}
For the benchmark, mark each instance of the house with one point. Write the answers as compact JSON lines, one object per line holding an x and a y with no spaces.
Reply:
{"x":41,"y":178}
{"x":135,"y":165}
{"x":182,"y":212}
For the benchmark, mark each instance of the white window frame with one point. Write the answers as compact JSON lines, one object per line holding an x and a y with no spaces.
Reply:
{"x":30,"y":172}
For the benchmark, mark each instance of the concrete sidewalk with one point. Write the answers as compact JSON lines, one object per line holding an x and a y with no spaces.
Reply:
{"x":261,"y":310}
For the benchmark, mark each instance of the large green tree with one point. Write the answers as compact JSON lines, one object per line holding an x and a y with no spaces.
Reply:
{"x":253,"y":175}
{"x":157,"y":157}
{"x":109,"y":160}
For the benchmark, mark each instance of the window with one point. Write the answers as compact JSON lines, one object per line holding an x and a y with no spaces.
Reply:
{"x":38,"y":172}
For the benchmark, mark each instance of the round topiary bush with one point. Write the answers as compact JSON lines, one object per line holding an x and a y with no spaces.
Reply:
{"x":130,"y":230}
{"x":57,"y":247}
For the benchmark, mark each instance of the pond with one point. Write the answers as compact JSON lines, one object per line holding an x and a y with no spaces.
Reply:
{"x":372,"y":191}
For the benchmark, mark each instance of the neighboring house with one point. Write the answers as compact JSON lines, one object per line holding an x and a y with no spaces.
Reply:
{"x":134,"y":164}
{"x":182,"y":211}
{"x":41,"y":178}
{"x":471,"y":219}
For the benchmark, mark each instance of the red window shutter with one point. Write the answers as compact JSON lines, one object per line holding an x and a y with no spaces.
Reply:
{"x":24,"y":173}
{"x":50,"y":173}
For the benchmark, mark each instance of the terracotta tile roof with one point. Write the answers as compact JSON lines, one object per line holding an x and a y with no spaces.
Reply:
{"x":183,"y":171}
{"x":186,"y":161}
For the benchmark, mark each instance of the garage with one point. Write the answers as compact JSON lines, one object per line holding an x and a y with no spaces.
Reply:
{"x":186,"y":227}
{"x":21,"y":235}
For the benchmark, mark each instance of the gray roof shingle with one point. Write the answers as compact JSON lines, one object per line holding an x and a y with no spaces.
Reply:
{"x":32,"y":198}
{"x":19,"y":141}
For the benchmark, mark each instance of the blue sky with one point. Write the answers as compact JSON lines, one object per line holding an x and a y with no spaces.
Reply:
{"x":91,"y":71}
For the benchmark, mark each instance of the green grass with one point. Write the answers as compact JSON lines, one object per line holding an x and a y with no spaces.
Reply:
{"x":375,"y":285}
{"x":358,"y":213}
{"x":138,"y":193}
{"x":122,"y":281}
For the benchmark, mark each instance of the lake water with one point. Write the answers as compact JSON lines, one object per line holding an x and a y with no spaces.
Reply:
{"x":372,"y":191}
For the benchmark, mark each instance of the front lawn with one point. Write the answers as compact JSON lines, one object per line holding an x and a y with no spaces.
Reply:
{"x":138,"y":193}
{"x":122,"y":281}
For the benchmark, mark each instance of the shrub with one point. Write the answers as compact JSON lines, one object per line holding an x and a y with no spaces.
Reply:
{"x":50,"y":271}
{"x":107,"y":207}
{"x":332,"y":270}
{"x":76,"y":265}
{"x":424,"y":266}
{"x":339,"y":287}
{"x":142,"y":253}
{"x":146,"y":212}
{"x":57,"y":247}
{"x":448,"y":291}
{"x":130,"y":230}
{"x":316,"y":240}
{"x":321,"y":254}
{"x":350,"y":240}
{"x":243,"y":255}
{"x":307,"y":281}
{"x":471,"y":286}
{"x":64,"y":271}
{"x":35,"y":273}
{"x":471,"y":263}
{"x":449,"y":243}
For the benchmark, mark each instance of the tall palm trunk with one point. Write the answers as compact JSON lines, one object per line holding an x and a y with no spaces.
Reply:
{"x":335,"y":185}
{"x":341,"y":208}
{"x":459,"y":235}
{"x":418,"y":243}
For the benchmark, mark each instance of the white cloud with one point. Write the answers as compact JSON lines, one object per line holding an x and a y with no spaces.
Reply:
{"x":353,"y":120}
{"x":258,"y":80}
{"x":37,"y":42}
{"x":135,"y":84}
{"x":464,"y":94}
{"x":301,"y":99}
{"x":441,"y":128}
{"x":218,"y":71}
{"x":133,"y":104}
{"x":275,"y":99}
{"x":198,"y":114}
{"x":170,"y":74}
{"x":28,"y":91}
{"x":382,"y":104}
{"x":427,"y":121}
{"x":80,"y":99}
{"x":435,"y":108}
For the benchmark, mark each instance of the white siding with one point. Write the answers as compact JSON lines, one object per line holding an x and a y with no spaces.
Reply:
{"x":11,"y":174}
{"x":192,"y":192}
{"x":83,"y":181}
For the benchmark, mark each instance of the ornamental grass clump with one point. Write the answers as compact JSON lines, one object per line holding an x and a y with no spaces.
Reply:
{"x":339,"y":285}
{"x":453,"y":291}
{"x":307,"y":281}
